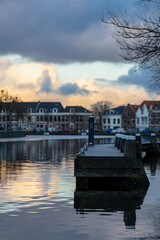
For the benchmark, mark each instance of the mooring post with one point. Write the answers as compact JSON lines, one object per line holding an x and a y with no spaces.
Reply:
{"x":122,"y":143}
{"x":138,"y":145}
{"x":119,"y":141}
{"x":117,"y":138}
{"x":130,"y":148}
{"x":91,"y":131}
{"x":154,"y":146}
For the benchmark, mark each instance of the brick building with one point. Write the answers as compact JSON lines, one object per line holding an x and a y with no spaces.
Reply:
{"x":37,"y":116}
{"x":129,"y":116}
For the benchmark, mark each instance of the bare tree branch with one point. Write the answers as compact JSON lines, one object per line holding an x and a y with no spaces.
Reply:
{"x":139,"y":39}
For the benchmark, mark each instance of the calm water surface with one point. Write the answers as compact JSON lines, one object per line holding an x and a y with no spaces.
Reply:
{"x":38,"y":199}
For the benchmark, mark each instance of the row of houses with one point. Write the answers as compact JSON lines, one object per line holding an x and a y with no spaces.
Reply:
{"x":145,"y":115}
{"x":52,"y":116}
{"x":41,"y":116}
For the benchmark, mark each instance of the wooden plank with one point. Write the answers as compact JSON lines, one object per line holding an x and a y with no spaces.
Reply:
{"x":102,"y":162}
{"x":109,"y":200}
{"x":103,"y":150}
{"x":109,"y":172}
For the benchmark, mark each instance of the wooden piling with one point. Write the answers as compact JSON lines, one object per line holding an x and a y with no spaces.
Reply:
{"x":138,"y":146}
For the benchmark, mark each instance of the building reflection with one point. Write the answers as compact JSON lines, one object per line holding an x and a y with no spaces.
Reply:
{"x":13,"y":155}
{"x":127,"y":201}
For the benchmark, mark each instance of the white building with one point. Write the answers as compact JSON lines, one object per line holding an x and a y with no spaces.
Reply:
{"x":112,"y":118}
{"x":142,"y":116}
{"x":148,"y":115}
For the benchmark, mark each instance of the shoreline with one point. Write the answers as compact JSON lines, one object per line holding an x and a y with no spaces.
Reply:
{"x":50,"y":137}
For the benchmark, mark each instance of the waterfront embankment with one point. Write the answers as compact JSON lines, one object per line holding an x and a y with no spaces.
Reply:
{"x":50,"y":137}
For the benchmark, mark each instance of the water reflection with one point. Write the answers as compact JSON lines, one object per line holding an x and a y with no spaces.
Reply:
{"x":111,"y":201}
{"x":37,"y":198}
{"x":152,"y":163}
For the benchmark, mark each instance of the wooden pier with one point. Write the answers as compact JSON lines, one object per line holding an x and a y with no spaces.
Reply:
{"x":105,"y":165}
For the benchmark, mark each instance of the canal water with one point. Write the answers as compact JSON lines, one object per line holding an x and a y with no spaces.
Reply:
{"x":38,"y":200}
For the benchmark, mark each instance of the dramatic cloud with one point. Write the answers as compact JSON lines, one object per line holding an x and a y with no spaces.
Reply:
{"x":72,"y":88}
{"x":34,"y":81}
{"x":57,"y":31}
{"x":45,"y":82}
{"x":134,"y":77}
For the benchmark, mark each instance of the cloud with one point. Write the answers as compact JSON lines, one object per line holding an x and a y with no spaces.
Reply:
{"x":72,"y":88}
{"x":57,"y":31}
{"x":34,"y":81}
{"x":134,"y":77}
{"x":45,"y":82}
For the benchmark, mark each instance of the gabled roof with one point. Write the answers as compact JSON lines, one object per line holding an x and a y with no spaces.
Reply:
{"x":77,"y":109}
{"x":117,"y":110}
{"x":134,"y":107}
{"x":148,"y":103}
{"x":48,"y":106}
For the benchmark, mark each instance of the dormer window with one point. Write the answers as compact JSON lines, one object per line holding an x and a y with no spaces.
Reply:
{"x":55,"y":110}
{"x":71,"y":110}
{"x":41,"y":110}
{"x":29,"y":110}
{"x":111,"y":112}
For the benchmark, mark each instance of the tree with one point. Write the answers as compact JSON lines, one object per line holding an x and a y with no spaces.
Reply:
{"x":8,"y":104}
{"x":97,"y":109}
{"x":139,"y":39}
{"x":100,"y":107}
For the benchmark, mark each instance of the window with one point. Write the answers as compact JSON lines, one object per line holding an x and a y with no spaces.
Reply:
{"x":41,"y":118}
{"x":114,"y":120}
{"x":104,"y":121}
{"x":111,"y":112}
{"x":55,"y":110}
{"x":142,"y":111}
{"x":41,"y":110}
{"x":71,"y":109}
{"x":66,"y":118}
{"x":118,"y":120}
{"x":29,"y":110}
{"x":37,"y":118}
{"x":109,"y":121}
{"x":62,"y":118}
{"x":50,"y":118}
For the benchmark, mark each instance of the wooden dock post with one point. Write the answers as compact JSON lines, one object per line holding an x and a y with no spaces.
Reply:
{"x":138,"y":146}
{"x":130,"y":147}
{"x":154,"y":146}
{"x":122,"y":143}
{"x":119,"y":141}
{"x":91,"y":131}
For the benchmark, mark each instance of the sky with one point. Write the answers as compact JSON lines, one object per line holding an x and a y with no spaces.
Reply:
{"x":59,"y":50}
